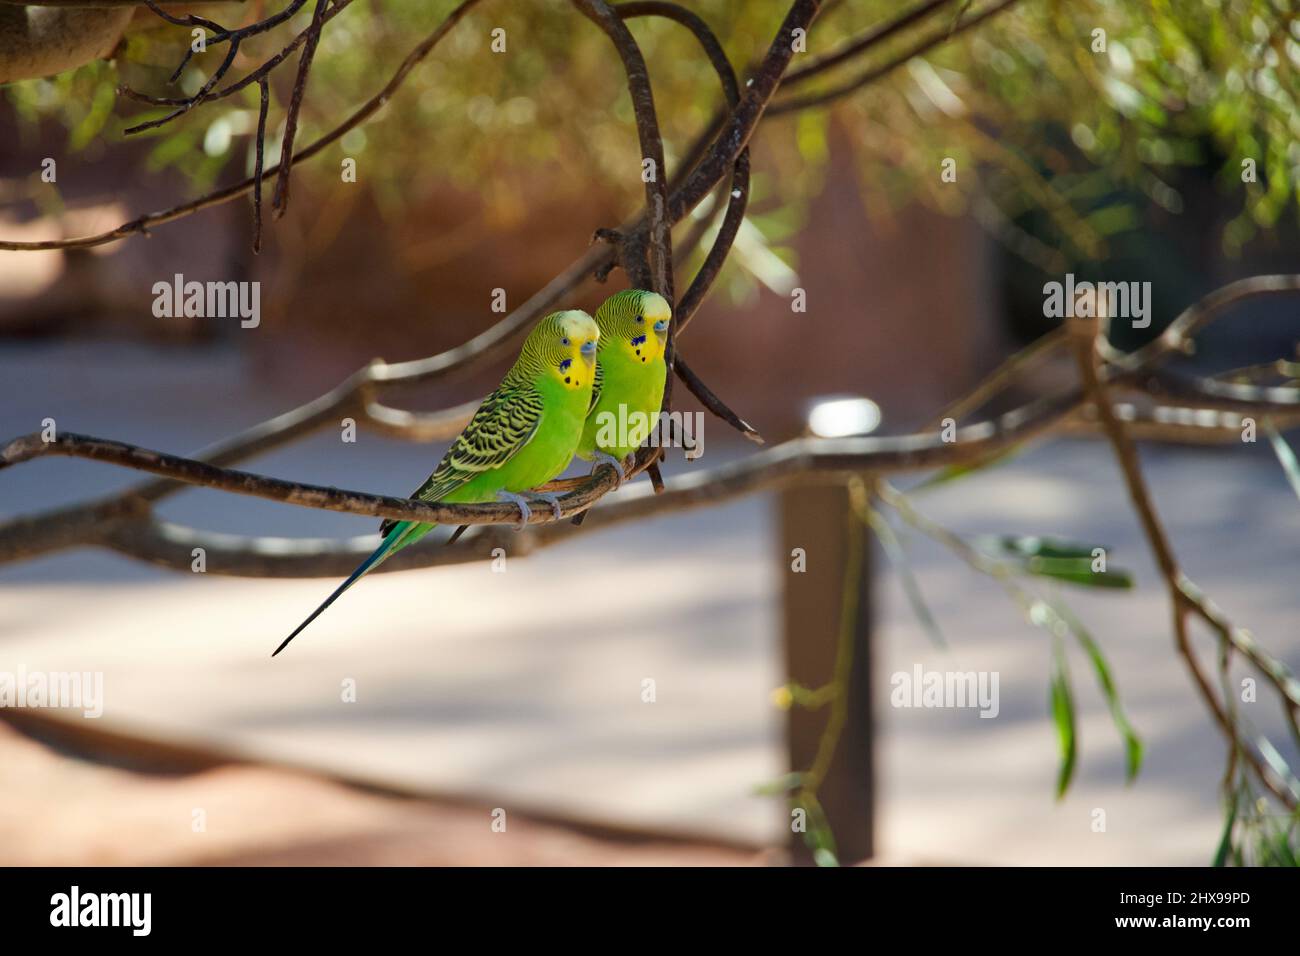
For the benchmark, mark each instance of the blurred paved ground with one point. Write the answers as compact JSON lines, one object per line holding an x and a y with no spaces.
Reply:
{"x":60,"y":810}
{"x":464,"y":688}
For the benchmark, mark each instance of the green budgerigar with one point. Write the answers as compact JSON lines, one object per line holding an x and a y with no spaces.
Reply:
{"x":523,"y":435}
{"x":630,"y":375}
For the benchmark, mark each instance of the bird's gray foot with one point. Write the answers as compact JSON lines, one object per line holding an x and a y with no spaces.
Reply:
{"x":520,"y":502}
{"x":603,"y":458}
{"x":552,"y":498}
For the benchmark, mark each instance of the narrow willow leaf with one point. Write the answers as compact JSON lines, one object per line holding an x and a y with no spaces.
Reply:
{"x":1284,"y":455}
{"x":1278,"y":763}
{"x":1225,"y":841}
{"x":824,"y":857}
{"x":819,"y":837}
{"x":898,"y":558}
{"x":1037,"y":546}
{"x":1132,"y":742}
{"x":1061,"y":703}
{"x":1079,"y":571}
{"x":1057,"y":558}
{"x":1278,"y":841}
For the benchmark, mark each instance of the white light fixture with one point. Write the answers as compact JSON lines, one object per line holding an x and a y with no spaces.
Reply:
{"x":840,"y":416}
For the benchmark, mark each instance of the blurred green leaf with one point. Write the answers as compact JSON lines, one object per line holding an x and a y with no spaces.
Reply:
{"x":1033,"y":546}
{"x":1132,"y":743}
{"x":101,"y":108}
{"x":1225,"y":840}
{"x":818,"y":836}
{"x":1275,"y":843}
{"x":1273,"y":757}
{"x":1078,"y":571}
{"x":1184,"y":82}
{"x":1285,"y":455}
{"x":1061,"y":705}
{"x":1057,"y":558}
{"x":825,"y":857}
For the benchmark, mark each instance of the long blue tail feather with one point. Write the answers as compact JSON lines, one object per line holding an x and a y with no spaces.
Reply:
{"x":386,"y":547}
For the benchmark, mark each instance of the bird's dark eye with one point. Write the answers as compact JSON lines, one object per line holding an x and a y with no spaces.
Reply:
{"x":640,"y":319}
{"x":564,"y":341}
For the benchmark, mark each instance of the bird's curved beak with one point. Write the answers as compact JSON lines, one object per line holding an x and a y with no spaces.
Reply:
{"x":661,"y":331}
{"x":588,"y":352}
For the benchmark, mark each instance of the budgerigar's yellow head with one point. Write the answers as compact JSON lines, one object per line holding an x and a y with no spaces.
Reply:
{"x":563,"y":345}
{"x":635,"y":321}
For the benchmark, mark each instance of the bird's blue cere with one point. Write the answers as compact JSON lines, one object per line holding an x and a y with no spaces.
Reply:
{"x":661,"y":325}
{"x":588,"y":347}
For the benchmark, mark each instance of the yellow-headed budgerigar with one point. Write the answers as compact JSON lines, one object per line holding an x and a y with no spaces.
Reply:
{"x":523,"y":435}
{"x":630,"y":375}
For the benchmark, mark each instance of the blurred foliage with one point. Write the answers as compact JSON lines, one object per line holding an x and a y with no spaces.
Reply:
{"x":1255,"y":833}
{"x":1035,"y":119}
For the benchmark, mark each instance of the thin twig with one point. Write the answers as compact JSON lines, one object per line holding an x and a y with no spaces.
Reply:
{"x":1084,"y":336}
{"x":934,"y":39}
{"x":862,"y":44}
{"x":738,"y":193}
{"x":55,"y":529}
{"x":264,"y":102}
{"x":103,"y":522}
{"x":220,"y":34}
{"x":656,"y":274}
{"x":141,"y":224}
{"x":281,"y":200}
{"x":254,"y":76}
{"x":998,"y":380}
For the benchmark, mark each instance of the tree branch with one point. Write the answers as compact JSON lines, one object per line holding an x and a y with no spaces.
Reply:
{"x":141,"y":224}
{"x":934,"y":39}
{"x":1184,"y":596}
{"x":800,"y":457}
{"x":654,"y":273}
{"x":203,"y":474}
{"x":864,"y":43}
{"x":739,"y":191}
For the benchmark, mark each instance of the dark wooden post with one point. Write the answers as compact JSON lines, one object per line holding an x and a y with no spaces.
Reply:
{"x":815,"y":518}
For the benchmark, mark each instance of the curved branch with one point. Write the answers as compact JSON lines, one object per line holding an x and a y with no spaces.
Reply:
{"x":205,"y":475}
{"x":1183,"y":594}
{"x":802,"y":457}
{"x":714,"y":404}
{"x":933,"y":40}
{"x":141,"y":224}
{"x":706,"y":165}
{"x":253,"y":77}
{"x":1177,"y":336}
{"x":871,"y":38}
{"x":280,"y":202}
{"x":656,"y":274}
{"x":55,"y":529}
{"x":740,"y":125}
{"x":739,"y":191}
